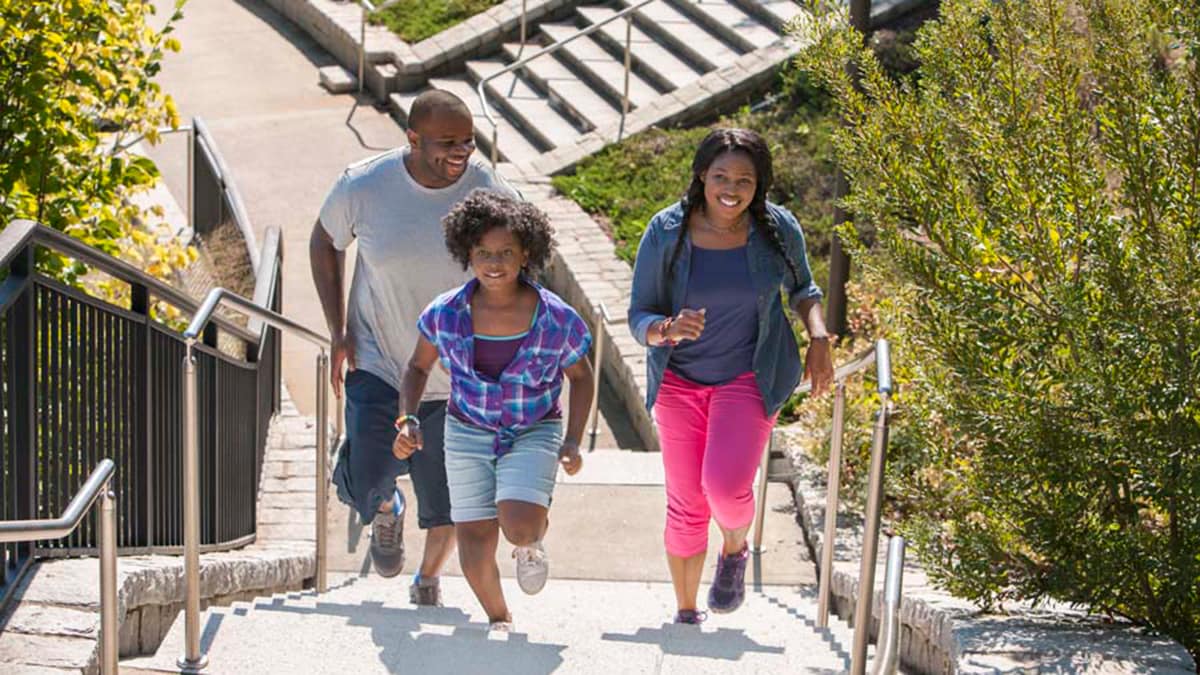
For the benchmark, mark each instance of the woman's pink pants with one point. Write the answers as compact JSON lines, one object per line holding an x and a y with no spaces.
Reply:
{"x":712,"y":440}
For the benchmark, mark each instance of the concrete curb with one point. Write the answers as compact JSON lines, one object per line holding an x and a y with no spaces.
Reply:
{"x":946,"y":635}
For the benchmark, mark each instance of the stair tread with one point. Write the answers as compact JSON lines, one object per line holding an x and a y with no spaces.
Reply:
{"x":782,"y":10}
{"x":674,"y":22}
{"x":607,"y":68}
{"x":644,"y":47}
{"x":567,"y":87}
{"x":514,"y":145}
{"x":530,"y":105}
{"x":727,"y":13}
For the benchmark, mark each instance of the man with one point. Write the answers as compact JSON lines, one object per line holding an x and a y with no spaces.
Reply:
{"x":393,"y":204}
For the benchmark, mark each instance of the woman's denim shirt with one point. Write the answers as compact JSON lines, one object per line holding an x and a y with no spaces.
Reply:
{"x":659,"y":292}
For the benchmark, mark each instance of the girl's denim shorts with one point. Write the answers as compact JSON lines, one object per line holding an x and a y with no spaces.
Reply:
{"x":478,"y":479}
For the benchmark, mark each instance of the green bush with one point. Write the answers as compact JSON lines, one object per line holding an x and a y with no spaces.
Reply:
{"x":1036,"y":194}
{"x":415,"y":20}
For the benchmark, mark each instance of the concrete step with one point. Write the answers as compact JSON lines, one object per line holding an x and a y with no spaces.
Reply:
{"x":650,"y":59}
{"x":731,"y":22}
{"x":527,"y":107}
{"x":514,"y":145}
{"x":775,"y":13}
{"x":597,"y":531}
{"x":366,"y":625}
{"x":598,"y":68}
{"x":684,"y":35}
{"x":572,"y":95}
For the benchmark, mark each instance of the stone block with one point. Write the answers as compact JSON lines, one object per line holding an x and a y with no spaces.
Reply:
{"x":19,"y":652}
{"x":150,"y":630}
{"x":127,"y":642}
{"x":38,"y":619}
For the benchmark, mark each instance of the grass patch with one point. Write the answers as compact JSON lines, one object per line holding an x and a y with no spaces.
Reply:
{"x":415,"y":20}
{"x":624,"y":185}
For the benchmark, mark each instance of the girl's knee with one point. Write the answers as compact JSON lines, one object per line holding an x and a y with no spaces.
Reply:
{"x":523,"y":524}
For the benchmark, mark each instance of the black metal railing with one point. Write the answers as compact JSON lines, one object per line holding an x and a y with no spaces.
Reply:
{"x":82,"y":378}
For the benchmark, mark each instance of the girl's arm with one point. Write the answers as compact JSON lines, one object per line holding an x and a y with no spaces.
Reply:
{"x":578,"y":407}
{"x":412,"y":386}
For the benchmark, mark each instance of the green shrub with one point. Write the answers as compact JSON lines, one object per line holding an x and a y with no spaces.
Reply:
{"x":77,"y":83}
{"x":415,"y":20}
{"x":1036,"y":194}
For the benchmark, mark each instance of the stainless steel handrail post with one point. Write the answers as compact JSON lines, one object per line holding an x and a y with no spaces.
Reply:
{"x":761,"y":507}
{"x":870,"y":547}
{"x":191,"y":177}
{"x":825,"y":586}
{"x":597,"y":368}
{"x":322,"y":505}
{"x":628,"y":65}
{"x":362,"y":46}
{"x":109,"y":649}
{"x":192,"y":660}
{"x":887,"y":653}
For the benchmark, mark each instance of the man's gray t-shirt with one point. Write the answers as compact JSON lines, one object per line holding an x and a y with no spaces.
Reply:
{"x":402,"y":260}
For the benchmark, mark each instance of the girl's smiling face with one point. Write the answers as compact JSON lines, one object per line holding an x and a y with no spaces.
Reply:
{"x":498,"y":258}
{"x":729,"y":184}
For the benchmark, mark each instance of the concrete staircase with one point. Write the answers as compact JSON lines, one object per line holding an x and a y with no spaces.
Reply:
{"x":560,"y":97}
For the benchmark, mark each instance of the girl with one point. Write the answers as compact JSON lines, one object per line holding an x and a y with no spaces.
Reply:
{"x":722,"y":358}
{"x":507,"y":343}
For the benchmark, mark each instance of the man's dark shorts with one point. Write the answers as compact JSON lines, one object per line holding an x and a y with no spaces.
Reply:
{"x":366,"y":468}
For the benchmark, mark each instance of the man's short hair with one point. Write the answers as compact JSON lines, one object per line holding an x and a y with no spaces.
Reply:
{"x":433,"y":103}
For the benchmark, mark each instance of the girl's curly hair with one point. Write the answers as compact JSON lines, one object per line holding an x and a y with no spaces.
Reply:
{"x":485,"y":209}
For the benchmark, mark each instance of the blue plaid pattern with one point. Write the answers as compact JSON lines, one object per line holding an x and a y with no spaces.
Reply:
{"x":530,"y":386}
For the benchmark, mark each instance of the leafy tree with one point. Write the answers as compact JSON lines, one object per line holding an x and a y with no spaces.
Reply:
{"x":1036,"y":192}
{"x":76,"y":86}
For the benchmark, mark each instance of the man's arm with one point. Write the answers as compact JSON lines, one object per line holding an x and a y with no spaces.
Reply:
{"x":328,"y":271}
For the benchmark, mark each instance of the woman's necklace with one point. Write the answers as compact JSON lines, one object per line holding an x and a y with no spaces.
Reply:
{"x":737,"y":227}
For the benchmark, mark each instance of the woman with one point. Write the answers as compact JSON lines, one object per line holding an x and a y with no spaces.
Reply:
{"x":507,"y":344}
{"x":722,"y":359}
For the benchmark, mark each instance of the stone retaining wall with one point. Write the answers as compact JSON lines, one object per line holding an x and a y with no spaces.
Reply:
{"x":395,"y":65}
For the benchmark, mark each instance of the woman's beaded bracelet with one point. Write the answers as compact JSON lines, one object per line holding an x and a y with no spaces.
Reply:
{"x":663,"y":327}
{"x":404,"y":419}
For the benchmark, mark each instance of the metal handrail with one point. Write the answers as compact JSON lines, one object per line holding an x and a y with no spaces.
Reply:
{"x":193,"y":660}
{"x":20,"y":233}
{"x":95,"y":488}
{"x":603,"y":318}
{"x":520,"y":63}
{"x":887,"y":653}
{"x":858,"y":363}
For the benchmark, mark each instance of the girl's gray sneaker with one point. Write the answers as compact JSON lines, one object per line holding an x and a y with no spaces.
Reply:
{"x":728,"y":588}
{"x":533,"y":567}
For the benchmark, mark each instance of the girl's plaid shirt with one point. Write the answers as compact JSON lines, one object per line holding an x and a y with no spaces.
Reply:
{"x":529,"y":387}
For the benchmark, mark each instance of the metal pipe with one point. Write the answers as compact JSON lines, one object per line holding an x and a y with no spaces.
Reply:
{"x":480,"y":88}
{"x":362,"y":47}
{"x":28,"y":530}
{"x":322,"y":504}
{"x":109,"y":650}
{"x":825,"y":586}
{"x":191,"y":178}
{"x":594,"y":415}
{"x":628,"y":65}
{"x":220,"y":295}
{"x":887,"y":653}
{"x":192,"y":660}
{"x":870,"y":546}
{"x":761,"y":506}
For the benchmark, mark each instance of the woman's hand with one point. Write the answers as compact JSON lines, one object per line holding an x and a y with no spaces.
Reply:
{"x":818,"y":365}
{"x":569,"y":458}
{"x":687,"y":326}
{"x":408,"y":441}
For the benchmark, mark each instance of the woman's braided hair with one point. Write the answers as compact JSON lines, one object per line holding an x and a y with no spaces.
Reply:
{"x":715,"y":144}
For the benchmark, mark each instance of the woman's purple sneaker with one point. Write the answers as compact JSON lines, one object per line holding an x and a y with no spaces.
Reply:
{"x":690,"y":616}
{"x":729,"y":585}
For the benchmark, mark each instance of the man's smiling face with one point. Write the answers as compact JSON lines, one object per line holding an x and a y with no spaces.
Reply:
{"x":442,"y":145}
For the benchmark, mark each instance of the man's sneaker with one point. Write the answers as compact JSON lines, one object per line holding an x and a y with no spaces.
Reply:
{"x":690,"y":616}
{"x":533,"y":567}
{"x":729,"y":585}
{"x":501,"y":626}
{"x":387,"y":538}
{"x":425,"y":591}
